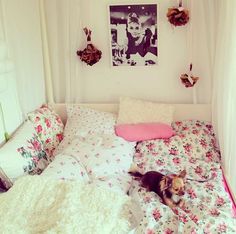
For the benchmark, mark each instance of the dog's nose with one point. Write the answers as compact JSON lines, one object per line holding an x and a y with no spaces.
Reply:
{"x":181,"y":193}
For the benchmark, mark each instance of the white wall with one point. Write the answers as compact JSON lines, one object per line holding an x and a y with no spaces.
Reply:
{"x":104,"y":83}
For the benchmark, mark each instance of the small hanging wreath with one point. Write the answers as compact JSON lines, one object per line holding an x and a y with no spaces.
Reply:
{"x":178,"y":16}
{"x":90,"y":54}
{"x":188,"y":80}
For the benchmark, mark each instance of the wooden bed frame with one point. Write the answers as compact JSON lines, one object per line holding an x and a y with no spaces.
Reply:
{"x":182,"y":111}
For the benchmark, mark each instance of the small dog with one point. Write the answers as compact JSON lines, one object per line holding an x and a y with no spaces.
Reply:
{"x":169,"y":187}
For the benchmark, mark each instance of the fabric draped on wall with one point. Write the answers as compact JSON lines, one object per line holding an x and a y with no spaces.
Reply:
{"x":64,"y":31}
{"x":201,"y":44}
{"x":25,"y":49}
{"x":224,"y":87}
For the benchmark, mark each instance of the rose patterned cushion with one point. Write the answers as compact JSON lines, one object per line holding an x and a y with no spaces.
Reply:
{"x":198,"y":139}
{"x":49,"y":127}
{"x":23,"y":153}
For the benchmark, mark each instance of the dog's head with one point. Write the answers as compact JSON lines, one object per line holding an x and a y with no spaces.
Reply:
{"x":174,"y":184}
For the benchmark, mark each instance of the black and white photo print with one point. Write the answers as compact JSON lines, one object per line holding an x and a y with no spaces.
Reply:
{"x":133,"y":31}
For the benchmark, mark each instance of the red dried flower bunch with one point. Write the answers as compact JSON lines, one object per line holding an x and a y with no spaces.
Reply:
{"x":90,"y":54}
{"x":188,"y":80}
{"x":178,"y":16}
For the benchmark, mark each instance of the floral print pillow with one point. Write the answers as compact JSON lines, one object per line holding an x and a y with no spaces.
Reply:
{"x":23,"y":153}
{"x":198,"y":139}
{"x":48,"y":126}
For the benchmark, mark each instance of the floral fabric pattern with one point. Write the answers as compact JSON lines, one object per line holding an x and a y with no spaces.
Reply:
{"x":24,"y":153}
{"x":207,"y":207}
{"x":34,"y":155}
{"x":82,"y":121}
{"x":66,"y":167}
{"x":48,"y":126}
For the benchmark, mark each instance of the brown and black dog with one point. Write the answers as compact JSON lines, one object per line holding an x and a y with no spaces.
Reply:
{"x":169,"y":187}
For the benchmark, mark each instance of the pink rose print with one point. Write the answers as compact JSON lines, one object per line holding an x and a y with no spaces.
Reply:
{"x":207,"y":229}
{"x":35,"y":159}
{"x":195,"y":132}
{"x":182,"y":136}
{"x":39,"y":129}
{"x":185,"y":128}
{"x":198,"y":125}
{"x":193,"y":231}
{"x":154,"y":154}
{"x":150,"y":146}
{"x":214,"y":212}
{"x":198,"y":170}
{"x":203,"y":143}
{"x":36,"y":145}
{"x":220,"y":201}
{"x":48,"y":140}
{"x":37,"y":119}
{"x":209,"y":186}
{"x":168,"y":231}
{"x":48,"y":123}
{"x":192,"y":160}
{"x":209,"y":156}
{"x":173,"y":151}
{"x":138,"y":155}
{"x":183,"y":218}
{"x":166,"y":141}
{"x":222,"y":228}
{"x":187,"y":147}
{"x":191,"y":193}
{"x":178,"y":123}
{"x":60,"y":137}
{"x":58,"y":120}
{"x":156,"y":214}
{"x":159,"y":162}
{"x":150,"y":231}
{"x":209,"y":127}
{"x":194,"y":218}
{"x":176,"y":161}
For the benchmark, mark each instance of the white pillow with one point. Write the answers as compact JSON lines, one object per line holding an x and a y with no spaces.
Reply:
{"x":23,"y":153}
{"x":133,"y":111}
{"x":113,"y":156}
{"x":83,"y":120}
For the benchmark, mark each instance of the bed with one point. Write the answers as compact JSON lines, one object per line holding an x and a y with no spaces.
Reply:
{"x":87,"y":158}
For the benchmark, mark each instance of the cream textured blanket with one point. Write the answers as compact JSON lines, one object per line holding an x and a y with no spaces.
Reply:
{"x":42,"y":205}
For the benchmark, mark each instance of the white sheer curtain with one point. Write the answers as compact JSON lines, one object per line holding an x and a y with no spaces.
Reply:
{"x":63,"y":22}
{"x":224,"y":87}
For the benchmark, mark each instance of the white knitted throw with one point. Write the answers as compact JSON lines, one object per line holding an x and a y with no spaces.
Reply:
{"x":38,"y":204}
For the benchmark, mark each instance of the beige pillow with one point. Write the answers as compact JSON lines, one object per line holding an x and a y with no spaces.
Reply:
{"x":132,"y":111}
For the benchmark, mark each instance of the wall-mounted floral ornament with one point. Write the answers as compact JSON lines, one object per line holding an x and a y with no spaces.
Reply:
{"x":178,"y":16}
{"x":188,"y":80}
{"x":90,"y":54}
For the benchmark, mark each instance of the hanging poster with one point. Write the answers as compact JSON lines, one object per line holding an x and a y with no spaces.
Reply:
{"x":133,"y":30}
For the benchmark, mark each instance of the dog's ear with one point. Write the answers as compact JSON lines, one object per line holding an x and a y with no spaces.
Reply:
{"x":183,"y":173}
{"x":165,"y":183}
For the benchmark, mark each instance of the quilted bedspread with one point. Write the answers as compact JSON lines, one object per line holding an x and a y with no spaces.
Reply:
{"x":207,"y":208}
